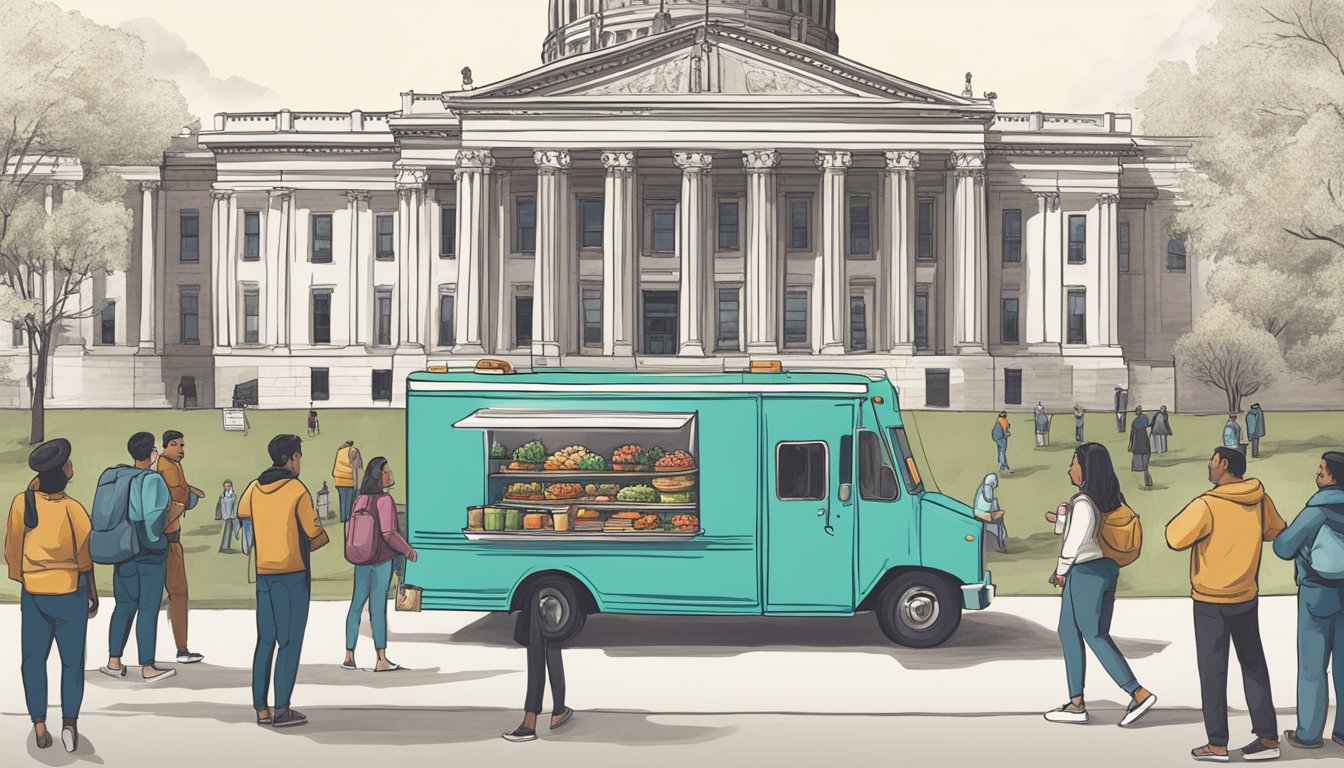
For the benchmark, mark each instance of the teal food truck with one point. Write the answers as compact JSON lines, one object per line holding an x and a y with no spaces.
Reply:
{"x":761,"y":493}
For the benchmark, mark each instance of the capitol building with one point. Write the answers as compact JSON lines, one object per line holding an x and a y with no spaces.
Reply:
{"x":680,"y":185}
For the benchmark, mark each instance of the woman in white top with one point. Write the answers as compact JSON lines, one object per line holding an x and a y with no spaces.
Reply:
{"x":1089,"y":581}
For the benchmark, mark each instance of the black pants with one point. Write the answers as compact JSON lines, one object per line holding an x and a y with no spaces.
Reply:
{"x":1215,"y":625}
{"x":543,"y":658}
{"x":1255,"y":447}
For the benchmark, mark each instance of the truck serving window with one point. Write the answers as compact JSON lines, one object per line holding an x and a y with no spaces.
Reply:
{"x":909,"y":471}
{"x":873,"y":466}
{"x":801,"y":472}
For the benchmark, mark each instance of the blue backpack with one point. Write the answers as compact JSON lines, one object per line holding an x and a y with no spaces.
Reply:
{"x":114,"y":538}
{"x":1326,"y":555}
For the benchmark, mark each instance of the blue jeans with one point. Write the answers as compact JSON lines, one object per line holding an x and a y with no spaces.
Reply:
{"x":1078,"y":433}
{"x":1320,"y":636}
{"x":246,"y":523}
{"x":347,"y":497}
{"x":226,"y":540}
{"x":64,"y":619}
{"x":1003,"y":453}
{"x":282,"y":617}
{"x":138,"y":587}
{"x":371,"y":583}
{"x":1085,"y":616}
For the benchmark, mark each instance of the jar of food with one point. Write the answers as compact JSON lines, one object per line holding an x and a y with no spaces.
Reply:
{"x":561,"y":520}
{"x":513,"y":519}
{"x":476,"y":518}
{"x":494,"y":519}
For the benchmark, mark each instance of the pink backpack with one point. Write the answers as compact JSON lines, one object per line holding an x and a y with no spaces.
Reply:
{"x":363,"y":534}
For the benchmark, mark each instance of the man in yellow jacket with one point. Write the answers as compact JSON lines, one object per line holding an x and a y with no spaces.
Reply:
{"x":175,"y":579}
{"x":1225,"y":530}
{"x":345,"y":474}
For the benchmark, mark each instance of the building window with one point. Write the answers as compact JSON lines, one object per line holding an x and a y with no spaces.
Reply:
{"x":1176,"y":254}
{"x":728,"y":312}
{"x":319,"y":384}
{"x":1012,"y":236}
{"x":189,"y":313}
{"x":729,"y":225}
{"x":18,"y":335}
{"x":795,"y":320}
{"x":1008,"y":316}
{"x":1078,"y":239}
{"x":525,"y":225}
{"x":447,"y":337}
{"x":382,"y":386}
{"x":860,"y":227}
{"x":591,"y":330}
{"x":1077,"y":316}
{"x":448,"y":232}
{"x":107,"y":330}
{"x":921,"y":320}
{"x":251,"y":236}
{"x":858,"y":322}
{"x":322,"y":316}
{"x":251,"y":316}
{"x":661,"y":332}
{"x":924,"y":250}
{"x":664,"y":230}
{"x":1123,"y":247}
{"x":800,"y":214}
{"x":522,"y":321}
{"x":382,"y":331}
{"x":1012,"y":386}
{"x":190,"y":222}
{"x":321,"y":238}
{"x":592,"y":212}
{"x":385,"y":251}
{"x":937,"y":388}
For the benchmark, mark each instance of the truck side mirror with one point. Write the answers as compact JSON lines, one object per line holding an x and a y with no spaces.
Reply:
{"x":846,"y":492}
{"x":886,"y":486}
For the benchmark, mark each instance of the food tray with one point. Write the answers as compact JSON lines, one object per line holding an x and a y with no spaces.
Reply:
{"x":595,"y":474}
{"x":619,"y":506}
{"x":582,"y":536}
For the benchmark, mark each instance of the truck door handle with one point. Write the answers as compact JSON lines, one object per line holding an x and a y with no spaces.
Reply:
{"x":827,"y":514}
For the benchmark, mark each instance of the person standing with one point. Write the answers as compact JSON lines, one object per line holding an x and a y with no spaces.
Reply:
{"x":1161,"y":430}
{"x":184,"y":498}
{"x":1139,"y":448}
{"x":1255,"y":428}
{"x":226,"y":510}
{"x":1078,"y":416}
{"x":1232,"y":434}
{"x":137,"y":582}
{"x":47,"y":551}
{"x":1225,"y":529}
{"x":371,"y":545}
{"x":543,"y":660}
{"x":349,"y":465}
{"x":1001,"y":433}
{"x":987,"y":511}
{"x":1121,"y":409}
{"x":1042,"y":424}
{"x":288,"y":531}
{"x":1315,"y":542}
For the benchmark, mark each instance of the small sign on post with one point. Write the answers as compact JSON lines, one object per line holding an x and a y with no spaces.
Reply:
{"x":235,"y":420}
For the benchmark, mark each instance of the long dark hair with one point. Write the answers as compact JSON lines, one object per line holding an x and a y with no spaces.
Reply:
{"x":372,"y":484}
{"x":1099,"y":480}
{"x":53,"y":480}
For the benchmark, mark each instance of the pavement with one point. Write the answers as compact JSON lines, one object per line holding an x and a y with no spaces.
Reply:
{"x":659,"y":691}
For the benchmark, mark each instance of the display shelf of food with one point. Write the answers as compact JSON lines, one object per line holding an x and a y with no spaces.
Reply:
{"x":610,"y":474}
{"x":623,"y":506}
{"x":579,"y":536}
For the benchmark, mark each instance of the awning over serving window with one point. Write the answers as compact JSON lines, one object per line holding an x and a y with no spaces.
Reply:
{"x":529,"y":418}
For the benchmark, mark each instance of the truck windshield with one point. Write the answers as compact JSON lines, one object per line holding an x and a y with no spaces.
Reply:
{"x":909,"y":470}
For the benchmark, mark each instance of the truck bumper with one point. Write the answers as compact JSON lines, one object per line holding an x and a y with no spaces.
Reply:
{"x":977,"y":597}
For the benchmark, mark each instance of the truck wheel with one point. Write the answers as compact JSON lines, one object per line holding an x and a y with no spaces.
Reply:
{"x":560,"y":606}
{"x":919,"y":610}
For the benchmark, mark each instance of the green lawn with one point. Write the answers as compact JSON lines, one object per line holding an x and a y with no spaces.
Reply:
{"x":957,"y":452}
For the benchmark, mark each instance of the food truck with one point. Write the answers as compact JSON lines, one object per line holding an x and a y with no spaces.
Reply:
{"x":760,"y":493}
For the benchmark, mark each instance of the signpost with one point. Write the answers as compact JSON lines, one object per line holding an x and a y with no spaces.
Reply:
{"x":235,"y":420}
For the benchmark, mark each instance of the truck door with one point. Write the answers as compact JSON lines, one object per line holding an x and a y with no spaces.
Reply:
{"x":810,"y":520}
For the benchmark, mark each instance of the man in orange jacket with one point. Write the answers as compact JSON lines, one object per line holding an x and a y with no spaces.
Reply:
{"x":184,"y":497}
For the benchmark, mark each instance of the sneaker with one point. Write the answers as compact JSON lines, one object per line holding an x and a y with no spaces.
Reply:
{"x":1257,"y":750}
{"x":349,"y":665}
{"x":520,"y":734}
{"x":264,"y":719}
{"x":157,"y":674}
{"x":1338,"y":738}
{"x":1135,"y":710}
{"x":288,"y":718}
{"x":70,"y":738}
{"x":566,"y":715}
{"x":187,"y":657}
{"x":1291,"y":738}
{"x":1206,"y":755}
{"x":110,"y":672}
{"x":1067,"y":714}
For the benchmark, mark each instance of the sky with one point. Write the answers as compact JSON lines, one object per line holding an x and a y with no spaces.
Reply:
{"x":338,"y":55}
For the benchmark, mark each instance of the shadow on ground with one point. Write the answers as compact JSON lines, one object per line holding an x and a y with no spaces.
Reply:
{"x":206,"y":677}
{"x":55,"y":755}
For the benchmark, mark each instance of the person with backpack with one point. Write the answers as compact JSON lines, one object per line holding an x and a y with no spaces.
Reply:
{"x":1232,"y":434}
{"x":1255,"y":428}
{"x":372,"y":543}
{"x":1315,"y":541}
{"x":130,"y":512}
{"x":47,"y":551}
{"x":1001,"y":432}
{"x":1100,"y":534}
{"x":1140,"y":449}
{"x":1225,"y":529}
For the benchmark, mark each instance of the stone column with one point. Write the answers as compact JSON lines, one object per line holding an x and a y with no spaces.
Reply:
{"x":474,"y":169}
{"x":220,"y":256}
{"x":693,"y":244}
{"x":361,"y":275}
{"x":147,"y":298}
{"x":620,"y":254}
{"x":763,"y":270}
{"x":278,"y":255}
{"x":230,"y":297}
{"x":899,"y":198}
{"x":410,"y":227}
{"x":971,"y":254}
{"x":1108,"y":281}
{"x":548,"y":287}
{"x":834,"y":304}
{"x":1042,"y":280}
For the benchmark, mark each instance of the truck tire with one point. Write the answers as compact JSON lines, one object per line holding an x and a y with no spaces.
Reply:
{"x":558,"y":599}
{"x":919,"y":610}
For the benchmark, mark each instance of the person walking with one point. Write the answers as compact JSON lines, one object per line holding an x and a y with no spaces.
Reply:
{"x":1089,"y":579}
{"x":1001,"y":433}
{"x":1161,"y":430}
{"x":1121,"y":408}
{"x":47,"y":552}
{"x":288,"y":531}
{"x":1078,"y":416}
{"x":1315,"y":542}
{"x":1139,"y":448}
{"x":137,"y":581}
{"x":372,"y":543}
{"x":184,"y":498}
{"x":226,"y":510}
{"x":1232,"y":434}
{"x":1255,"y":428}
{"x":348,"y":466}
{"x":1042,"y":424}
{"x":543,"y":660}
{"x":1225,"y":529}
{"x":987,"y":511}
{"x":314,"y":428}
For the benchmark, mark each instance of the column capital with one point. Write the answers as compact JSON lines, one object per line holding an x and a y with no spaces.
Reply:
{"x":150,"y":186}
{"x":474,"y":160}
{"x":902,"y":160}
{"x":283,"y":193}
{"x":412,"y":177}
{"x":834,"y":160}
{"x":618,"y":160}
{"x":1048,"y":201}
{"x":221,"y":194}
{"x":1108,"y":198}
{"x":552,"y":160}
{"x":357,"y":196}
{"x":760,"y":160}
{"x":968,"y":159}
{"x":693,"y":162}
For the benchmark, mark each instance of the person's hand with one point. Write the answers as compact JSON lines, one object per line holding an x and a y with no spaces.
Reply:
{"x":1057,"y":580}
{"x":1051,"y":518}
{"x":413,"y":556}
{"x":998,"y":515}
{"x":93,"y":597}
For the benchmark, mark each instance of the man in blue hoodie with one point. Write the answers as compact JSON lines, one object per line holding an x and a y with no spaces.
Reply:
{"x":1320,"y":607}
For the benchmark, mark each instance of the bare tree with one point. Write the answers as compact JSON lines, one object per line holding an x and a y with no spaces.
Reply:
{"x":1227,"y":352}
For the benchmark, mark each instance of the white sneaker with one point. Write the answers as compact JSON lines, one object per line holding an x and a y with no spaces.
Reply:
{"x":110,"y":672}
{"x":187,"y":657}
{"x":1137,"y":710}
{"x":1067,"y":714}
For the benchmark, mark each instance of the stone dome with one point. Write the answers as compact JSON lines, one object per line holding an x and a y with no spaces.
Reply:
{"x":581,"y":26}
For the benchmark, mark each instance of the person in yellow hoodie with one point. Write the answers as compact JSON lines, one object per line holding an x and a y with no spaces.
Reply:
{"x":1225,"y":530}
{"x":47,"y":551}
{"x":348,"y":466}
{"x":287,"y":531}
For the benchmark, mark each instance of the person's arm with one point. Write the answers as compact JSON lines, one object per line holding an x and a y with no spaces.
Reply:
{"x":1194,"y":523}
{"x":1300,"y":534}
{"x":309,"y":524}
{"x":1081,"y":523}
{"x":245,"y":504}
{"x":387,"y":523}
{"x":1271,"y":520}
{"x":14,"y":539}
{"x":81,"y":527}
